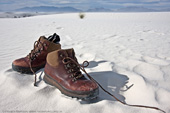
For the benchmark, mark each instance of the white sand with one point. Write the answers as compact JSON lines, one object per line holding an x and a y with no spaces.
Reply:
{"x":122,"y":48}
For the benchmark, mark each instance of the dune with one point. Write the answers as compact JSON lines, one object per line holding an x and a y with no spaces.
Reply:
{"x":129,"y":55}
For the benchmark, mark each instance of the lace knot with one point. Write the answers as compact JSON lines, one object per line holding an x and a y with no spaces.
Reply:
{"x":38,"y":47}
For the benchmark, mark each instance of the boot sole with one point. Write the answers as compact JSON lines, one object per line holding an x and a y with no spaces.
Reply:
{"x":26,"y":70}
{"x":84,"y":96}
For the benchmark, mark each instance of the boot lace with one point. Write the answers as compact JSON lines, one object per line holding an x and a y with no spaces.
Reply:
{"x":75,"y":68}
{"x":38,"y":47}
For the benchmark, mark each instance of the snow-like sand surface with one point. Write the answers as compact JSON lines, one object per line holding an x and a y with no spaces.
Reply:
{"x":122,"y":48}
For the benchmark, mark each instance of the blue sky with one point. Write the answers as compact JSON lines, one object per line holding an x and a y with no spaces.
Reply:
{"x":85,"y":4}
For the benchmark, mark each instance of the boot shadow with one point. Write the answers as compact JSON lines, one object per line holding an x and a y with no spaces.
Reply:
{"x":112,"y":82}
{"x":109,"y":80}
{"x":40,"y":76}
{"x":93,"y":64}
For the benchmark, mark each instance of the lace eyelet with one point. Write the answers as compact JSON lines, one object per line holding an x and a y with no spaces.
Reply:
{"x":65,"y":66}
{"x":61,"y":55}
{"x":38,"y":51}
{"x":45,"y":44}
{"x":68,"y":71}
{"x":79,"y":76}
{"x":64,"y":61}
{"x":68,"y":65}
{"x":32,"y":58}
{"x":74,"y":79}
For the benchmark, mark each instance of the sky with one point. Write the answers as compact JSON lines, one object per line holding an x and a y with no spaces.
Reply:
{"x":7,"y":5}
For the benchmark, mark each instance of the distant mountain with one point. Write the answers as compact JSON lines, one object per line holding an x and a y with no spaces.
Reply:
{"x":48,"y":9}
{"x":135,"y":9}
{"x":164,"y":10}
{"x":99,"y":10}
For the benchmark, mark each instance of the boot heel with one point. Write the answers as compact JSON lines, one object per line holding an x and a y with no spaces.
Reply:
{"x":47,"y":80}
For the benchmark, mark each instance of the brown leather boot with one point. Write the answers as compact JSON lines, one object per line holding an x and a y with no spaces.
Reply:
{"x":37,"y":58}
{"x":63,"y":71}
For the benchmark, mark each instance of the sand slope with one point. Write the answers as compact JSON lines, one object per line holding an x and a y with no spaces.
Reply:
{"x":122,"y":48}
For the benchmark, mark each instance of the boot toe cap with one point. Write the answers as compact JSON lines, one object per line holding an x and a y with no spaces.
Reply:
{"x":20,"y":62}
{"x":88,"y":86}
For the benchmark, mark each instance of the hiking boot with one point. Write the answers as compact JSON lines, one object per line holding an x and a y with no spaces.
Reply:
{"x":62,"y":70}
{"x":36,"y":59}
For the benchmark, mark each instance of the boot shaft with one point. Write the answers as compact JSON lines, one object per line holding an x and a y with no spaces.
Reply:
{"x":49,"y":45}
{"x":41,"y":49}
{"x":55,"y":58}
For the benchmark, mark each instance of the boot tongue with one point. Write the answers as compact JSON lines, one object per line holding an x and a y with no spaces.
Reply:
{"x":42,"y":39}
{"x":54,"y":38}
{"x":71,"y":53}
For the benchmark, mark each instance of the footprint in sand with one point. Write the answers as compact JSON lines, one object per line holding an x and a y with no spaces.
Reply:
{"x":107,"y":36}
{"x":72,"y":44}
{"x":87,"y":56}
{"x":78,"y":45}
{"x":68,"y":38}
{"x":59,"y":28}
